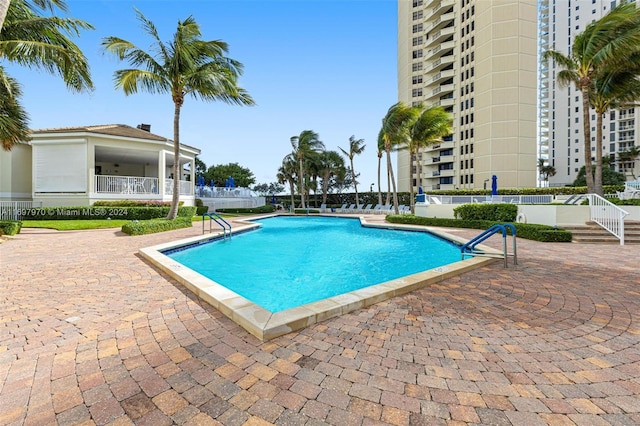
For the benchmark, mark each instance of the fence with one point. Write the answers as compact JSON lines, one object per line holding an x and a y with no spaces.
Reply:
{"x":14,"y":210}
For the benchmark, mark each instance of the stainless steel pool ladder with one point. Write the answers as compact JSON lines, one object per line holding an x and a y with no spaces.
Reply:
{"x":469,"y":248}
{"x":215,"y":217}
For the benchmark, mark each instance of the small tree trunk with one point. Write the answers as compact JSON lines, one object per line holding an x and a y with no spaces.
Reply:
{"x":598,"y":177}
{"x":379,"y":169}
{"x":393,"y":182}
{"x":411,"y":174}
{"x":587,"y":138}
{"x":175,"y":199}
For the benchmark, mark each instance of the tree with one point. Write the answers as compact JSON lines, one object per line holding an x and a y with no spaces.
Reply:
{"x":617,"y":87}
{"x":394,"y":133}
{"x":629,"y":157}
{"x":380,"y":153}
{"x":242,"y":176}
{"x":429,"y":128}
{"x":609,"y":177}
{"x":607,"y":42}
{"x":546,"y":170}
{"x":13,"y":118}
{"x":287,"y":174}
{"x":43,"y":43}
{"x":356,"y":147}
{"x":331,"y":167}
{"x":306,"y":145}
{"x":186,"y":66}
{"x":268,"y":188}
{"x":201,"y":167}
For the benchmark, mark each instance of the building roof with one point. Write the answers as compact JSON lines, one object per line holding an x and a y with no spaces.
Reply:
{"x":122,"y":130}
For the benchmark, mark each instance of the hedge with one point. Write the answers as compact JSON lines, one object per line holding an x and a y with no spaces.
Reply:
{"x":263,"y":209}
{"x":10,"y":227}
{"x":93,"y":212}
{"x":527,"y":231}
{"x":156,"y":225}
{"x":494,"y":212}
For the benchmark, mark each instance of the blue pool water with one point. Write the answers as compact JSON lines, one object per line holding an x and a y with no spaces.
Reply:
{"x":291,"y":261}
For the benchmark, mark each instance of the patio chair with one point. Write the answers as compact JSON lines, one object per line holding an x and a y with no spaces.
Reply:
{"x":367,"y":209}
{"x":323,"y":208}
{"x":351,"y":209}
{"x":342,"y":208}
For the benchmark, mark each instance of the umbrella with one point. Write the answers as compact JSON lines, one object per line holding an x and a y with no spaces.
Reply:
{"x":420,"y":190}
{"x":212,"y":185}
{"x":494,"y":185}
{"x":273,"y":198}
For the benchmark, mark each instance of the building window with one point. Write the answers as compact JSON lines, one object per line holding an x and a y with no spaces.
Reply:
{"x":416,"y":66}
{"x":416,"y":92}
{"x":417,"y":3}
{"x":417,"y":15}
{"x":417,"y":54}
{"x":417,"y":28}
{"x":417,"y":79}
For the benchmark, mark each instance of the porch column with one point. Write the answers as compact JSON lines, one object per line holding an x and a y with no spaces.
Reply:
{"x":162,"y":161}
{"x":192,"y":169}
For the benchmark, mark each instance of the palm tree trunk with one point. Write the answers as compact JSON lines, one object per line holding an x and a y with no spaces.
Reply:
{"x":292,"y":190}
{"x":301,"y":185}
{"x":355,"y":183}
{"x":393,"y":182}
{"x":411,"y":174}
{"x":587,"y":138}
{"x":175,"y":199}
{"x":598,"y":178}
{"x":379,"y":170}
{"x":325,"y":187}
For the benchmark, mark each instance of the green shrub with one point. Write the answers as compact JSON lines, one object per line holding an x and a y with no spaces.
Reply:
{"x":527,"y":231}
{"x":156,"y":225}
{"x":200,"y":210}
{"x":10,"y":227}
{"x":263,"y":209}
{"x":188,"y":211}
{"x":495,"y":212}
{"x":113,"y":212}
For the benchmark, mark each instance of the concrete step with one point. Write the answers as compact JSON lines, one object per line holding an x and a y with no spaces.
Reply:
{"x":592,"y":233}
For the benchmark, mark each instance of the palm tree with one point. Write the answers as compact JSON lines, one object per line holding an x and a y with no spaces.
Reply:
{"x":546,"y":170}
{"x":429,"y":128}
{"x":616,"y":88}
{"x":356,"y":147}
{"x":13,"y":118}
{"x":380,"y":153}
{"x":395,"y":132}
{"x":287,"y":174}
{"x":604,"y":43}
{"x":304,"y":146}
{"x":40,"y":42}
{"x":331,"y":165}
{"x":630,"y":156}
{"x":187,"y":65}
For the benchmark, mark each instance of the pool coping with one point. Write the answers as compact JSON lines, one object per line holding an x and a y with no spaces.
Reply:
{"x":266,"y":325}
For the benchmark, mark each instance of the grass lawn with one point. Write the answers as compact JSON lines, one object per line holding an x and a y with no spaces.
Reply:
{"x":74,"y":225}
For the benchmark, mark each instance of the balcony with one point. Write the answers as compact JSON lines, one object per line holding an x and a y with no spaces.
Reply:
{"x":439,"y":36}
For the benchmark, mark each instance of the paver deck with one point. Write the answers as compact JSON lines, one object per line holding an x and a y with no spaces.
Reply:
{"x":91,"y":334}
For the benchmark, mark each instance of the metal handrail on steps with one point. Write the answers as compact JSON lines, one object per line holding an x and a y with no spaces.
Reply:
{"x":607,"y":215}
{"x":469,"y":248}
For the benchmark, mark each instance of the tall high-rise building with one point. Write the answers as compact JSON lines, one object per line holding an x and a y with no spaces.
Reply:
{"x":477,"y":59}
{"x":561,"y":114}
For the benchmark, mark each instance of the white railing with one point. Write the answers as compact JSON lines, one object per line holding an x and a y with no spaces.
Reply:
{"x":105,"y":184}
{"x":509,"y":199}
{"x":185,"y":187}
{"x":14,"y":210}
{"x":607,"y":215}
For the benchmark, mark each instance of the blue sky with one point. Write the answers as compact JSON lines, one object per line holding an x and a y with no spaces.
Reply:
{"x":323,"y":65}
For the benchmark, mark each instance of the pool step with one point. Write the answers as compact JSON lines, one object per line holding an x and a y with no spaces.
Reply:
{"x":592,"y":233}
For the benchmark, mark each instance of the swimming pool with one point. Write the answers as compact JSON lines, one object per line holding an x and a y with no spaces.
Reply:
{"x":291,"y":260}
{"x":265,"y":324}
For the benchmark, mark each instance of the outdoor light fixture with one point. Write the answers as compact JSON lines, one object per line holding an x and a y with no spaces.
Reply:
{"x":485,"y":183}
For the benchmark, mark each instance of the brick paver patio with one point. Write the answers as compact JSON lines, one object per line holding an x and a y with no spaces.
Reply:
{"x":91,"y":334}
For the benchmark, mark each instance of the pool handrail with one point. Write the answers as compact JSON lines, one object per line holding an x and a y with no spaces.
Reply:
{"x":469,"y":248}
{"x":219,"y":220}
